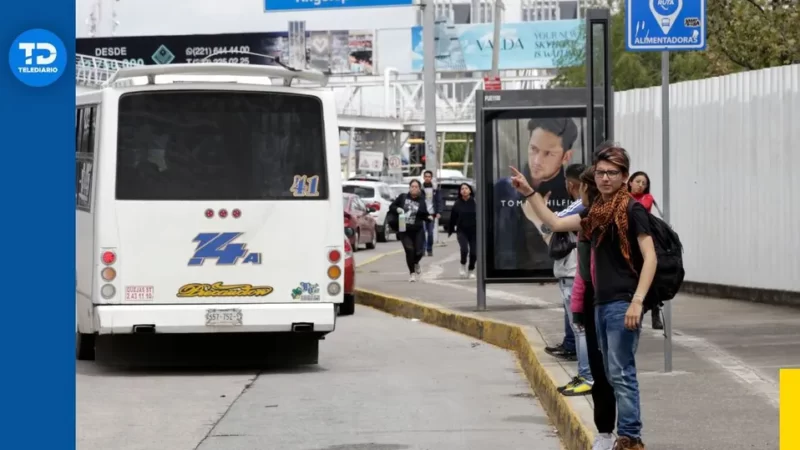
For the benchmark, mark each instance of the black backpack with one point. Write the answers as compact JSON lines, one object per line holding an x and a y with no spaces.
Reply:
{"x":669,"y":253}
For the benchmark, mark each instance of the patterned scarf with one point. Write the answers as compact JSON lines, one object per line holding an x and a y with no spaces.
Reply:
{"x":603,"y":214}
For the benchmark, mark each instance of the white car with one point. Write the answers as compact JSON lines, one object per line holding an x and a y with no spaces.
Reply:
{"x":373,"y":193}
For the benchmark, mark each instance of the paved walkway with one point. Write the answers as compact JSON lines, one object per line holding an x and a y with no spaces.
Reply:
{"x":723,"y":391}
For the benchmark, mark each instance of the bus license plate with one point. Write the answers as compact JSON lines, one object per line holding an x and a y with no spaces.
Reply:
{"x":224,"y":317}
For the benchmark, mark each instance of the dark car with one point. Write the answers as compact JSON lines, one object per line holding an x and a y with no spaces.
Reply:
{"x":357,"y":217}
{"x":449,"y":188}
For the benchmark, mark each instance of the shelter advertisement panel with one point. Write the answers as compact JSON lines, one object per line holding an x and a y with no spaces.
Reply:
{"x":335,"y":52}
{"x":541,"y":148}
{"x":525,"y":45}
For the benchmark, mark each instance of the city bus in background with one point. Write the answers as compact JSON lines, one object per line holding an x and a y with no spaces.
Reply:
{"x":208,"y":206}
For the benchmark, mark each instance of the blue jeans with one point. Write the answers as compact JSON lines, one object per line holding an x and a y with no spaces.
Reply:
{"x":569,"y":337}
{"x":618,"y":345}
{"x":429,"y":227}
{"x":579,"y":335}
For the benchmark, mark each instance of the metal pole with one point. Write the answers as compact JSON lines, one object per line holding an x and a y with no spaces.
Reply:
{"x":351,"y":153}
{"x":429,"y":82}
{"x":665,"y":195}
{"x":498,"y":22}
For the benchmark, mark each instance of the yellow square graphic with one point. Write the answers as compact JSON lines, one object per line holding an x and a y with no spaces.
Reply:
{"x":790,"y":409}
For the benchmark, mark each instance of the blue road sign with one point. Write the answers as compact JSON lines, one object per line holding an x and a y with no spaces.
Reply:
{"x":658,"y":25}
{"x":295,"y":5}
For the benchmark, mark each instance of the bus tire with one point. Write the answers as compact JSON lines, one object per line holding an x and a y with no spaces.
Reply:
{"x":84,"y":346}
{"x":348,"y":307}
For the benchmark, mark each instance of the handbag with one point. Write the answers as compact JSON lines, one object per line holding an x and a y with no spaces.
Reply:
{"x":561,"y":245}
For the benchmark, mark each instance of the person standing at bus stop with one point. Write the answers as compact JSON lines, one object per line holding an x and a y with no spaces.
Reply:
{"x":639,"y":187}
{"x":433,"y":201}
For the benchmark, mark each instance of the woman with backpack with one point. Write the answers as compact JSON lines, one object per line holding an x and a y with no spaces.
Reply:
{"x":411,"y":229}
{"x":639,"y":187}
{"x":463,"y":222}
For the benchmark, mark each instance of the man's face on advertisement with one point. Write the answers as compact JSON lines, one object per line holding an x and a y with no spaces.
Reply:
{"x":546,"y":154}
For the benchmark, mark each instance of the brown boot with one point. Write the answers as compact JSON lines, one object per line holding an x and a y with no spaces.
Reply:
{"x":626,"y":443}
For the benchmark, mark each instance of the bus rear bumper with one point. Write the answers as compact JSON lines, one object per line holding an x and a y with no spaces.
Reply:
{"x":227,"y":318}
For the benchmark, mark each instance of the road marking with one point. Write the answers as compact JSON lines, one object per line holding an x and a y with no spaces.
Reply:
{"x":736,"y":368}
{"x":377,"y":257}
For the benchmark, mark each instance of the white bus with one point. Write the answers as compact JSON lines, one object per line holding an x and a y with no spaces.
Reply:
{"x":207,"y":207}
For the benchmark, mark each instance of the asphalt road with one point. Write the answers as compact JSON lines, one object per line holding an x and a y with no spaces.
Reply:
{"x":383,"y":383}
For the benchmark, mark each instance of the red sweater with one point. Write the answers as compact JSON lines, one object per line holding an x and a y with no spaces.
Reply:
{"x":579,"y":288}
{"x":645,"y":199}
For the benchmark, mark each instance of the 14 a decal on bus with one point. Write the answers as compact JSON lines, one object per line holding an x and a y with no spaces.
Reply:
{"x":220,"y":246}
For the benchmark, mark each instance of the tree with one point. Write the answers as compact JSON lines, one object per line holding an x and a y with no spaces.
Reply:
{"x":737,"y":40}
{"x":755,"y":34}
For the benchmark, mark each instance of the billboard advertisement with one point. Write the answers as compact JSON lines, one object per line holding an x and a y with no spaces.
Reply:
{"x":306,"y":5}
{"x":335,"y":52}
{"x":523,"y":45}
{"x":540,"y":148}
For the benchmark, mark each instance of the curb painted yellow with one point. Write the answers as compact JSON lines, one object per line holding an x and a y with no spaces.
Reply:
{"x":573,"y":432}
{"x":377,"y":257}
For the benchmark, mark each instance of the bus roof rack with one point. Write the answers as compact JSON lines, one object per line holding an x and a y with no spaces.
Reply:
{"x":242,"y":70}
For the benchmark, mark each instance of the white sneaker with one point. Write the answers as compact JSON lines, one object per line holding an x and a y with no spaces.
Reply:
{"x":471,"y":274}
{"x":462,"y":271}
{"x":412,"y":278}
{"x":603,"y":441}
{"x":417,"y":269}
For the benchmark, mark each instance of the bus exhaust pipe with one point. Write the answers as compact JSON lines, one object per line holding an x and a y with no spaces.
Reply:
{"x":302,"y":327}
{"x":144,"y":329}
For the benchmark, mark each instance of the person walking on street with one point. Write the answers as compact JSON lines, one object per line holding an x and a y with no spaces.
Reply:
{"x":412,"y":205}
{"x":625,"y":264}
{"x":433,"y":200}
{"x":639,"y":187}
{"x":464,"y":223}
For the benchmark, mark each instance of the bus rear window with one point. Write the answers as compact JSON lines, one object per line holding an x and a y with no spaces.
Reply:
{"x":208,"y":145}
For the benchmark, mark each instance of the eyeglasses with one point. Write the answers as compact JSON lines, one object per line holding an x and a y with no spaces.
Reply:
{"x":611,"y":173}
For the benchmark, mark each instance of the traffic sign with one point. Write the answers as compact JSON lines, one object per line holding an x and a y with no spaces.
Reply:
{"x":395,"y":162}
{"x":492,"y":84}
{"x":665,"y":25}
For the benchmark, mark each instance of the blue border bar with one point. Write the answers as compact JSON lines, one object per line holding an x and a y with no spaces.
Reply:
{"x":38,"y":143}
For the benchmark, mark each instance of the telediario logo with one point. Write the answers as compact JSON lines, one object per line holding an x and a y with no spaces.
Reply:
{"x":37,"y":57}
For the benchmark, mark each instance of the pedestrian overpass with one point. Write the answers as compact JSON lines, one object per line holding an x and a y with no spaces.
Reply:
{"x":390,"y":102}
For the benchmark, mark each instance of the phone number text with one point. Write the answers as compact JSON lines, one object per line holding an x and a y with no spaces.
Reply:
{"x":234,"y":60}
{"x":206,"y":51}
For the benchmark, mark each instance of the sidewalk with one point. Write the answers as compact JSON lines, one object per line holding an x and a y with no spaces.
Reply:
{"x":722,"y":393}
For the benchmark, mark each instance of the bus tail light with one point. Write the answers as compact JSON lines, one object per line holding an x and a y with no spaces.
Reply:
{"x":223,"y":213}
{"x":334,"y":272}
{"x":108,"y":291}
{"x":109,"y":258}
{"x":334,"y":256}
{"x":108,"y":274}
{"x":209,"y":213}
{"x":334,"y":289}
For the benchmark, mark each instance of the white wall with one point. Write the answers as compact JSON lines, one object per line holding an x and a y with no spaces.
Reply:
{"x":734,"y":172}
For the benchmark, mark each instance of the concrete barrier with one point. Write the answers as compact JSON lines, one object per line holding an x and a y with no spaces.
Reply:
{"x":526,"y":343}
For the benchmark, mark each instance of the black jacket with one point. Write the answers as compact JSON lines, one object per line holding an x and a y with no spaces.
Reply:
{"x":415,"y":209}
{"x":463,"y":217}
